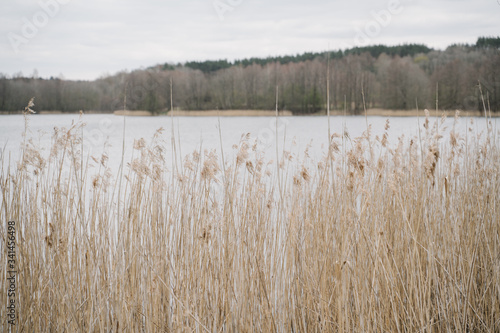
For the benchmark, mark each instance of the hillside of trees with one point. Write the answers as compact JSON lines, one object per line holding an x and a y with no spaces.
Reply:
{"x":389,"y":77}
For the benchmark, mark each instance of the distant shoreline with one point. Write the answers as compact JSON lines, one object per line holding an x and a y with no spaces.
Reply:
{"x":376,"y":112}
{"x":414,"y":113}
{"x":230,"y":113}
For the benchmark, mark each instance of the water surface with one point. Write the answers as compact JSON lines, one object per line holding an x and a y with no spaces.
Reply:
{"x":110,"y":133}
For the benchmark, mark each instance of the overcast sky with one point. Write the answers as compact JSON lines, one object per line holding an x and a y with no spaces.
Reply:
{"x":86,"y":39}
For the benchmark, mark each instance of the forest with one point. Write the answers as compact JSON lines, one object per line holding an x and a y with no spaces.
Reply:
{"x":463,"y":77}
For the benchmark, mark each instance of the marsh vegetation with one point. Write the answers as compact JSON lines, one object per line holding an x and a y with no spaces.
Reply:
{"x":373,"y":236}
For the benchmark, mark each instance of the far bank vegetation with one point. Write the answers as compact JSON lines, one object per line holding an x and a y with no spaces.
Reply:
{"x":392,"y":78}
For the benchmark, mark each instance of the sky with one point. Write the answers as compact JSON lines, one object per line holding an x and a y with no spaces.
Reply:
{"x":88,"y":39}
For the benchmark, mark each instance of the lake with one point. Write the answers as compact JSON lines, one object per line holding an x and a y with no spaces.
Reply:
{"x":195,"y":133}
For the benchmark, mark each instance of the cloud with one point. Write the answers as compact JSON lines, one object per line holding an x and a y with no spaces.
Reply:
{"x":86,"y":38}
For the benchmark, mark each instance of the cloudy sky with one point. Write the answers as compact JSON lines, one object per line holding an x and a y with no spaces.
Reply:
{"x":86,"y":39}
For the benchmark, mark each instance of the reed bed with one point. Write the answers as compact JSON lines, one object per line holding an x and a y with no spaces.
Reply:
{"x":372,"y":237}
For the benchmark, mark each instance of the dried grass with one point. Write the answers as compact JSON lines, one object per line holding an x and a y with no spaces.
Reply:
{"x":371,"y":238}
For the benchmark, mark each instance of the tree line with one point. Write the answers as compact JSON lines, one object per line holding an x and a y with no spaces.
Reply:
{"x":465,"y":77}
{"x":374,"y":51}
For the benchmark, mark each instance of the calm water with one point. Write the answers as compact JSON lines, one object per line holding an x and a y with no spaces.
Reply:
{"x":195,"y":132}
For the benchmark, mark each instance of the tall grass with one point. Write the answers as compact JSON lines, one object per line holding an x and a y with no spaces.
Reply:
{"x":371,"y":238}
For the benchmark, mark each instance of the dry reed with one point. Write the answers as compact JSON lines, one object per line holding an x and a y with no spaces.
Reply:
{"x":371,"y":238}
